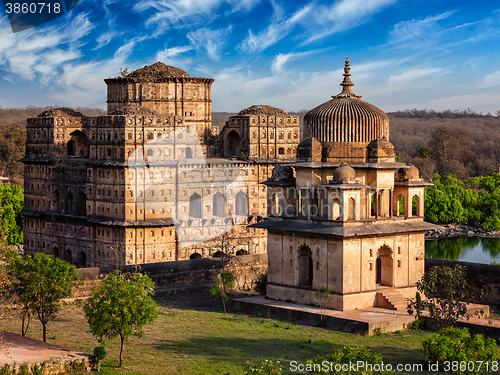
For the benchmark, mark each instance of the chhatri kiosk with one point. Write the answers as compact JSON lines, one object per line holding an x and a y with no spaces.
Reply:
{"x":345,"y":215}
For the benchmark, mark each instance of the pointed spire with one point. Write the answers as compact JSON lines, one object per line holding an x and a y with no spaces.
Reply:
{"x":346,"y":83}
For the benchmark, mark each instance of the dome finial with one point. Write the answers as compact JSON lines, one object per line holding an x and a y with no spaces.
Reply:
{"x":346,"y":83}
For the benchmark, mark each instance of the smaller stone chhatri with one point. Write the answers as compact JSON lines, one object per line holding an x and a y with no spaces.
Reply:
{"x":346,"y":84}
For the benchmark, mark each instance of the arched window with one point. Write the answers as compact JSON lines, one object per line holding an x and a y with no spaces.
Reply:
{"x":55,"y":201}
{"x":149,"y":152}
{"x":281,"y":151}
{"x":401,"y":205}
{"x":233,"y":144}
{"x":55,"y":252}
{"x":189,"y":153}
{"x":195,"y":206}
{"x":68,"y":257}
{"x":130,"y":136}
{"x":81,"y":204}
{"x":415,"y":211}
{"x":242,"y":252}
{"x":219,"y":204}
{"x":352,"y":208}
{"x":195,"y":256}
{"x":150,"y":135}
{"x":71,"y":148}
{"x":241,"y":204}
{"x":68,"y":204}
{"x":305,"y":265}
{"x":336,"y":209}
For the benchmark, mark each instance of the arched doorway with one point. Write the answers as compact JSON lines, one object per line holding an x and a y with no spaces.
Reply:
{"x":68,"y":205}
{"x":195,"y":206}
{"x":242,"y":252}
{"x":195,"y":256}
{"x":82,"y":259}
{"x":219,"y":203}
{"x":305,"y":265}
{"x":68,"y":257}
{"x":384,"y":267}
{"x":233,"y":144}
{"x":241,"y":204}
{"x":71,"y":148}
{"x":218,"y":254}
{"x":55,"y":252}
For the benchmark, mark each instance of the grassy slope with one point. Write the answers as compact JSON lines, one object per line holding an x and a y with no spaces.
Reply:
{"x":198,"y":340}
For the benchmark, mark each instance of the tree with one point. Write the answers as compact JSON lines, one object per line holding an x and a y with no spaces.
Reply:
{"x":223,"y":283}
{"x":40,"y":283}
{"x":121,"y":306}
{"x":447,"y":294}
{"x":324,"y":295}
{"x":12,"y":201}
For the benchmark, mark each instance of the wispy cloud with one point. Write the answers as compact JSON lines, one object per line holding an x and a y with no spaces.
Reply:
{"x":341,"y":16}
{"x":283,"y":58}
{"x":491,"y":80}
{"x":401,"y":81}
{"x":210,"y":40}
{"x":171,"y":56}
{"x":278,"y":29}
{"x":419,"y":31}
{"x":44,"y":50}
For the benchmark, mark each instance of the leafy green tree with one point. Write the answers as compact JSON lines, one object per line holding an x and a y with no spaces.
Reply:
{"x":222,"y":284}
{"x":12,"y":201}
{"x":40,"y":283}
{"x":324,"y":296}
{"x":121,"y":306}
{"x":447,"y":294}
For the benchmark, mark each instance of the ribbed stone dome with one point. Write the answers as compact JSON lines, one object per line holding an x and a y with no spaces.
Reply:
{"x":346,"y":118}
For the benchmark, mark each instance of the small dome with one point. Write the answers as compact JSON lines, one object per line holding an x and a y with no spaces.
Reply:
{"x":262,"y":110}
{"x":310,"y":149}
{"x":133,"y":109}
{"x":409,"y":173}
{"x":344,"y":173}
{"x":282,"y":173}
{"x":157,"y":72}
{"x":60,"y":112}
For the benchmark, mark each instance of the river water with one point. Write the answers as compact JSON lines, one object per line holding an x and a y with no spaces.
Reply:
{"x":467,"y":249}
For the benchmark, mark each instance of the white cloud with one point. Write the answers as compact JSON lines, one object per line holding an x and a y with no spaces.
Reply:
{"x":170,"y":56}
{"x":283,"y":58}
{"x":491,"y":80}
{"x":419,"y":31}
{"x":210,"y":40}
{"x":278,"y":29}
{"x":400,"y":81}
{"x":41,"y":50}
{"x":340,"y":16}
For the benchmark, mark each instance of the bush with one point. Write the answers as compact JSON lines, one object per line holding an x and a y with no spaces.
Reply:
{"x":267,"y":367}
{"x":346,"y":356}
{"x":454,"y":349}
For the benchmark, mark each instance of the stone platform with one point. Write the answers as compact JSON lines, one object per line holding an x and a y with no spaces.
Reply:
{"x":366,"y":321}
{"x":22,"y":350}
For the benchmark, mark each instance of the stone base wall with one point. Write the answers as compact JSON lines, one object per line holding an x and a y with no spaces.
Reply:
{"x":185,"y":275}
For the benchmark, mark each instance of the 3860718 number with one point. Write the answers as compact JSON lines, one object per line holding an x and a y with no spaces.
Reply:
{"x":33,"y":8}
{"x":471,"y":366}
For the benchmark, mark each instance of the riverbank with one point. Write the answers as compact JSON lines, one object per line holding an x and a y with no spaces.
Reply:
{"x":460,"y":230}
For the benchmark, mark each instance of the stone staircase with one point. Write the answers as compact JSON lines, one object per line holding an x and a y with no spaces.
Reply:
{"x":391,"y":299}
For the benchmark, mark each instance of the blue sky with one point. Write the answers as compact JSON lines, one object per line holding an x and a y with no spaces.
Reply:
{"x":286,"y":53}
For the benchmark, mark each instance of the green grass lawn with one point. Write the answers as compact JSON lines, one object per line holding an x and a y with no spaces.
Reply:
{"x":196,"y":339}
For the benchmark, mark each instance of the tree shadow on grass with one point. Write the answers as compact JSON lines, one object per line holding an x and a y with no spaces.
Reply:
{"x":220,"y":350}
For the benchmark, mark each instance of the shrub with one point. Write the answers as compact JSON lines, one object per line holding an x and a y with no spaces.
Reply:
{"x":332,"y":363}
{"x":267,"y":367}
{"x":455,"y":350}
